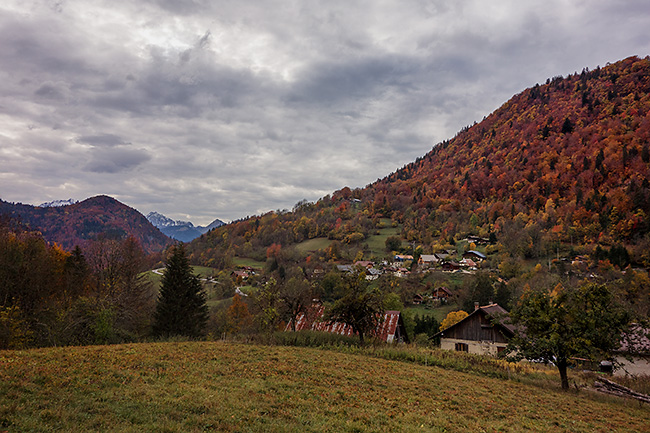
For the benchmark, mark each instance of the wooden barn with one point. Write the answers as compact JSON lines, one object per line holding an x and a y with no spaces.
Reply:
{"x":483,"y":332}
{"x":391,"y":328}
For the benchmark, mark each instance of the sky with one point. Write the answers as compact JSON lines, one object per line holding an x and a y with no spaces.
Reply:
{"x":207,"y":109}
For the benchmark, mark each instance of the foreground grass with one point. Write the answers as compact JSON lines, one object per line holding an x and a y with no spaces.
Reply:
{"x":222,"y":386}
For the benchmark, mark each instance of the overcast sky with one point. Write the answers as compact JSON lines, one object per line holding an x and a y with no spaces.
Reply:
{"x":210,"y":109}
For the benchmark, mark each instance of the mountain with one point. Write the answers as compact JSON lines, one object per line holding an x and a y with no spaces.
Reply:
{"x":57,"y":203}
{"x":183,"y":231}
{"x":562,"y":166}
{"x":78,"y":223}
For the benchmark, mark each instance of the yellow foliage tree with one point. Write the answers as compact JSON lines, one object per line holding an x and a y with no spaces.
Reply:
{"x":452,"y":318}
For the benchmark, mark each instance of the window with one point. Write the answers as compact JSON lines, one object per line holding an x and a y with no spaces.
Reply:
{"x":462,"y":347}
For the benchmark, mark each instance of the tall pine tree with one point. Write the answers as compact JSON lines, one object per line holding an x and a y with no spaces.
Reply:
{"x":181,"y":307}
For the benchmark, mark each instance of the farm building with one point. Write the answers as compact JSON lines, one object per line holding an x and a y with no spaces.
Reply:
{"x":390,"y":329}
{"x":483,"y":332}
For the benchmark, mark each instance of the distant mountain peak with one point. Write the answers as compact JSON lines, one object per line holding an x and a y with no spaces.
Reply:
{"x":59,"y":203}
{"x":183,"y":231}
{"x":159,"y":220}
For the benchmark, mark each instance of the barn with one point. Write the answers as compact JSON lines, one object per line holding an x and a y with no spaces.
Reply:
{"x":483,"y":332}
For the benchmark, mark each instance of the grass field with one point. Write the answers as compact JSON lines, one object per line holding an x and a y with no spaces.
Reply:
{"x":311,"y":245}
{"x":222,"y":386}
{"x":245,"y":261}
{"x":438,"y":312}
{"x":377,"y":243}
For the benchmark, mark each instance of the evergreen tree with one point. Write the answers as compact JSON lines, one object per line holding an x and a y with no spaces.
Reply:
{"x":181,"y":307}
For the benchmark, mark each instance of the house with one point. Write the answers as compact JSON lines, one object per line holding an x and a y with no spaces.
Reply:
{"x":401,"y":273}
{"x":372,"y":274}
{"x":451,"y":266}
{"x":478,"y":240}
{"x":442,"y":256}
{"x":403,"y":257}
{"x":390,"y":329}
{"x":483,"y":332}
{"x":345,"y":268}
{"x":442,"y":294}
{"x":364,"y":264}
{"x":240,"y":274}
{"x":428,"y":259}
{"x":418,"y":299}
{"x":474,"y":255}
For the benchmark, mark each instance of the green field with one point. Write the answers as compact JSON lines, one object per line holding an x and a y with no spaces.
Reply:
{"x":377,"y":243}
{"x":438,"y":312}
{"x":311,"y":245}
{"x":230,"y":387}
{"x":245,"y":261}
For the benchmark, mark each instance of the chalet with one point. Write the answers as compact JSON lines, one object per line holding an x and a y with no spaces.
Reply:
{"x":390,"y":329}
{"x":240,"y":274}
{"x":469,"y":263}
{"x":418,"y":299}
{"x":345,"y":268}
{"x":483,"y":332}
{"x":403,"y":257}
{"x":474,"y":255}
{"x":372,"y":274}
{"x":428,"y":259}
{"x":451,"y":266}
{"x":364,"y":264}
{"x":442,"y":294}
{"x":442,"y":256}
{"x":478,"y":240}
{"x":401,"y":273}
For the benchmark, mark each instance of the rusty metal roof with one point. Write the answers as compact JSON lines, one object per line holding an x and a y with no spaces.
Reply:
{"x":386,"y":330}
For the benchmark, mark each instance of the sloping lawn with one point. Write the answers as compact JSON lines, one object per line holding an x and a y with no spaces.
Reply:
{"x":221,"y":386}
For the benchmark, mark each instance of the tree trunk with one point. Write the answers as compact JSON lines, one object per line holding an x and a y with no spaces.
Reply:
{"x":562,"y":367}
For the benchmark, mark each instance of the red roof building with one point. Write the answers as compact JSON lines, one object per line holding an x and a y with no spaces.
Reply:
{"x":390,"y":329}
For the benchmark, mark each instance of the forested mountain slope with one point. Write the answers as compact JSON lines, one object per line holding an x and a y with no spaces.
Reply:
{"x":564,"y":162}
{"x":96,"y":217}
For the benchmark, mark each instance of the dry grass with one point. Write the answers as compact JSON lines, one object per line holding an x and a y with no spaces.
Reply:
{"x":222,"y":386}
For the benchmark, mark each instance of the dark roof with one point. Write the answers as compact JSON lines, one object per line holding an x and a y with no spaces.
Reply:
{"x":492,"y":311}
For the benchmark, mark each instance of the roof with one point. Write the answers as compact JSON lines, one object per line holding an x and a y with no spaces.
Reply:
{"x":476,"y":253}
{"x":493,"y":311}
{"x":429,"y":258}
{"x":444,"y":289}
{"x":313,"y":320}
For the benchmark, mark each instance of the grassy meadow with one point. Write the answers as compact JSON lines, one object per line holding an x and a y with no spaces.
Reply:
{"x":232,"y":387}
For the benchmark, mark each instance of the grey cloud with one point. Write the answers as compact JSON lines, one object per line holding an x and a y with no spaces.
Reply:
{"x":49,"y":91}
{"x":115,"y":160}
{"x":331,"y":82}
{"x":108,"y":140}
{"x":249,"y":107}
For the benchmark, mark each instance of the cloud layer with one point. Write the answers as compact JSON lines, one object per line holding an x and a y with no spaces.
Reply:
{"x":212,"y":109}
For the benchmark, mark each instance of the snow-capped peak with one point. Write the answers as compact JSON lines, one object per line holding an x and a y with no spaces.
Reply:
{"x":58,"y":203}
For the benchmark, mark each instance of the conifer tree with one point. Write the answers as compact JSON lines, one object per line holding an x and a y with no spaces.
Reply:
{"x":181,"y":307}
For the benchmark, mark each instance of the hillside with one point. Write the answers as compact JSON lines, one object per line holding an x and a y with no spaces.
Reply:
{"x":87,"y":220}
{"x":562,"y":167}
{"x":221,"y":386}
